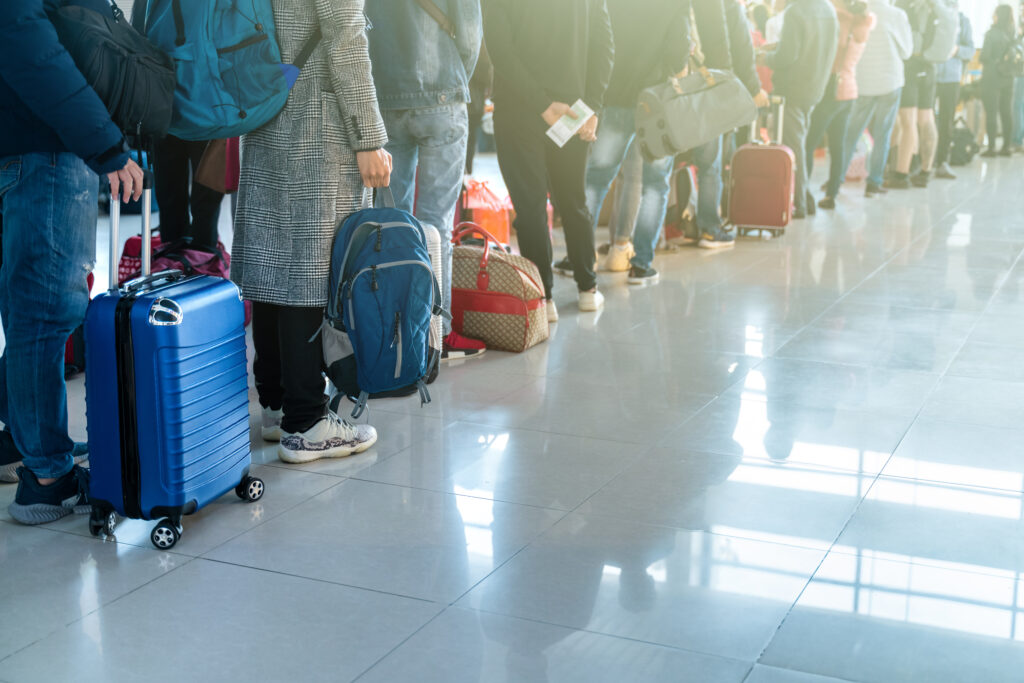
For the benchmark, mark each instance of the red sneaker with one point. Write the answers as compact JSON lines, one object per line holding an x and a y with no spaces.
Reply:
{"x":456,"y":347}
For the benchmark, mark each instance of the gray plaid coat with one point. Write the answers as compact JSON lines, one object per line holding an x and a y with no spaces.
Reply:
{"x":298,"y":173}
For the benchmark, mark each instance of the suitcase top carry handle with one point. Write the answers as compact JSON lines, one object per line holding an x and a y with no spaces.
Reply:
{"x":467,"y":229}
{"x":147,"y":237}
{"x":145,"y":281}
{"x":778,"y":104}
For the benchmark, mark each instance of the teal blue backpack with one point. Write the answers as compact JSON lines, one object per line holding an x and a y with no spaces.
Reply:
{"x":230,"y":77}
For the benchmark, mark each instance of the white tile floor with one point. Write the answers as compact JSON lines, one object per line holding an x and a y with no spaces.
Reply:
{"x":795,"y":462}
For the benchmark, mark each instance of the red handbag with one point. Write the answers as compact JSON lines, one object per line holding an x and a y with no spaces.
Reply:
{"x":497,"y":297}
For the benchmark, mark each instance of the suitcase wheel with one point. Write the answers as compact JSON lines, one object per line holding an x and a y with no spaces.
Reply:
{"x":102,"y":522}
{"x":165,"y":535}
{"x":250,"y":489}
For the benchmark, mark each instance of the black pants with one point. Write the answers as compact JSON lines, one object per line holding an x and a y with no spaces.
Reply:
{"x":998,"y":100}
{"x":830,"y":117}
{"x":174,"y":162}
{"x":530,"y":162}
{"x":288,"y":365}
{"x":948,"y":95}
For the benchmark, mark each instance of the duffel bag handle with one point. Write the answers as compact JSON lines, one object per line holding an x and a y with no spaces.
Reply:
{"x":466,"y":229}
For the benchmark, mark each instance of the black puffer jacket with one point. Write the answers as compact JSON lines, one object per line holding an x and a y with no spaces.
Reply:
{"x":651,"y":43}
{"x":45,"y":103}
{"x":997,"y":42}
{"x":725,"y":39}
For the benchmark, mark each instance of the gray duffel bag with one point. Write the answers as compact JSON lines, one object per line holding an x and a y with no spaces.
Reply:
{"x":687,"y":112}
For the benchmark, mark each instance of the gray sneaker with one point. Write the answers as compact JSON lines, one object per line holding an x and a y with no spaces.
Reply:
{"x":331,"y":437}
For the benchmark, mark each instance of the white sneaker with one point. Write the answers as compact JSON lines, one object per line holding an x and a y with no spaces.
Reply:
{"x":271,"y":428}
{"x":619,"y":255}
{"x":331,"y":437}
{"x":552,"y":312}
{"x":591,"y":301}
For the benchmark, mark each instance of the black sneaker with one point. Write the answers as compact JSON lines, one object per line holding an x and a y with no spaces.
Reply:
{"x":642,"y":276}
{"x":563,"y":267}
{"x":989,"y":153}
{"x":38,"y":504}
{"x":920,"y":179}
{"x":10,"y":457}
{"x":827,"y":203}
{"x":870,"y":190}
{"x":604,"y":249}
{"x":798,"y":214}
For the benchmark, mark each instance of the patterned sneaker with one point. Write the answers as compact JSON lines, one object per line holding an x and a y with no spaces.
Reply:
{"x":719,"y":239}
{"x":331,"y":437}
{"x":457,"y":347}
{"x":38,"y":504}
{"x":271,"y":428}
{"x":10,"y":457}
{"x":617,"y":260}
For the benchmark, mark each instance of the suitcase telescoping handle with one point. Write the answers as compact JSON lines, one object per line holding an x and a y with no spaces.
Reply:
{"x":777,"y":105}
{"x":146,"y":278}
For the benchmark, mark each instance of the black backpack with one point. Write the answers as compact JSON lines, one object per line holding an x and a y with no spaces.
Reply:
{"x":1012,"y":63}
{"x":134,"y":78}
{"x":964,"y":145}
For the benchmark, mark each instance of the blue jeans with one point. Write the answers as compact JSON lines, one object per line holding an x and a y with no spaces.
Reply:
{"x":877,"y":113}
{"x":708,"y":160}
{"x":614,"y":136}
{"x":428,"y":150}
{"x":628,"y":193}
{"x":1018,"y":111}
{"x":48,"y":203}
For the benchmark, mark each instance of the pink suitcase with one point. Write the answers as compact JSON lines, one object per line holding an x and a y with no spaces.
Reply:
{"x":761,"y":184}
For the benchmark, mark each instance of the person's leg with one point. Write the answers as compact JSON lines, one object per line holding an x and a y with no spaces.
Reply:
{"x":170,"y":185}
{"x":947,"y":94}
{"x":49,"y":244}
{"x":475,"y":113}
{"x":654,"y":202}
{"x":567,"y":168}
{"x":302,"y":399}
{"x":1006,"y":117}
{"x":794,"y":136}
{"x":266,"y":366}
{"x":440,"y":133}
{"x":908,"y":140}
{"x":882,"y":122}
{"x":990,"y":99}
{"x":821,"y":119}
{"x":607,"y":156}
{"x":627,"y":196}
{"x":520,"y":143}
{"x":707,"y":159}
{"x":860,"y":114}
{"x":928,"y":137}
{"x":1018,"y":111}
{"x":836,"y":139}
{"x":204,"y":202}
{"x":404,"y":157}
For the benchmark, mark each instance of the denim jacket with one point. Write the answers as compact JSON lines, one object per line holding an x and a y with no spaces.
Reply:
{"x":415,"y":63}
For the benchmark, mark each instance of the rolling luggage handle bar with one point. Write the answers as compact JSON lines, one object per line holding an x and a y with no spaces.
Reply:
{"x":146,"y":278}
{"x":778,"y":103}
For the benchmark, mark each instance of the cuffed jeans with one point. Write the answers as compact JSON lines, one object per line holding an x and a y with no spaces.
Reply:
{"x":428,"y":154}
{"x":708,"y":160}
{"x":877,"y":113}
{"x":615,"y":135}
{"x":48,"y":203}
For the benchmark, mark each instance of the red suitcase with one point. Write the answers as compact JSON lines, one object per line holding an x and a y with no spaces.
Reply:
{"x":761,"y":184}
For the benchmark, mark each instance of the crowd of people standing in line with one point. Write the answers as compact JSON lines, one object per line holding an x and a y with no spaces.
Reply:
{"x":385,"y":100}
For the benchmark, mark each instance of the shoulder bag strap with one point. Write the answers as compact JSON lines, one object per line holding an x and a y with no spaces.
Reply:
{"x":439,"y":16}
{"x":307,"y":49}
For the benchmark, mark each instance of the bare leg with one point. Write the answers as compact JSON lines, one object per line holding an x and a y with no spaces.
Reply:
{"x":908,"y":139}
{"x":929,"y":135}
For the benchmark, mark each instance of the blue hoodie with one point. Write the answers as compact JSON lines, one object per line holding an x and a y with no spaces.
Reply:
{"x":45,"y":103}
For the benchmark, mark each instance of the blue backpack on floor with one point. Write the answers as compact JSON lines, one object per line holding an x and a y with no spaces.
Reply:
{"x":381,"y":297}
{"x":230,"y":77}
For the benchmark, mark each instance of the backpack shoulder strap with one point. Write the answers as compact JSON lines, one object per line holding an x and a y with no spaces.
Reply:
{"x":307,"y":49}
{"x":438,"y":15}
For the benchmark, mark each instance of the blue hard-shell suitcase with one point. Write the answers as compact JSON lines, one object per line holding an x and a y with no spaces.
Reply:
{"x":166,"y":396}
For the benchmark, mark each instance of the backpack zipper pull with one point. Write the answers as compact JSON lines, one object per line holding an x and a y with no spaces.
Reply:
{"x":373,"y":278}
{"x":380,"y":240}
{"x":396,"y":330}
